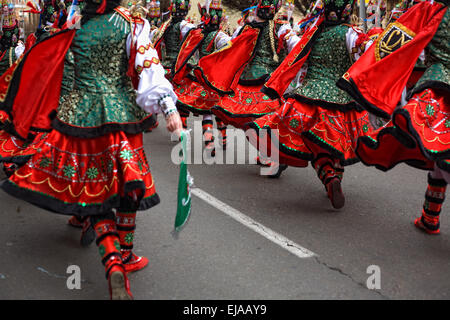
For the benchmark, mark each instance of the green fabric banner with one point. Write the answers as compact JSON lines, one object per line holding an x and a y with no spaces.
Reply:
{"x":184,"y":189}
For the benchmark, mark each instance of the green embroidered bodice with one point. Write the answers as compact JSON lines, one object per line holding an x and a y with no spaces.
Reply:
{"x":206,"y":42}
{"x":328,"y":61}
{"x":437,"y":54}
{"x":172,"y":42}
{"x":67,"y":83}
{"x":263,"y":63}
{"x":8,"y":58}
{"x":96,"y":90}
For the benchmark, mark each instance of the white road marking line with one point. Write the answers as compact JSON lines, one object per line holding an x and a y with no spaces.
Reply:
{"x":267,"y":233}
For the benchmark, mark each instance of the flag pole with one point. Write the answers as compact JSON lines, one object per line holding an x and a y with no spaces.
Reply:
{"x":362,"y":14}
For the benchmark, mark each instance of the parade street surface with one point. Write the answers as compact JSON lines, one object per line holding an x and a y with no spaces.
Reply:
{"x":248,"y":238}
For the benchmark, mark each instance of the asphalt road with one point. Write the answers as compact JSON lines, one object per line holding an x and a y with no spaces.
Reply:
{"x":217,"y":257}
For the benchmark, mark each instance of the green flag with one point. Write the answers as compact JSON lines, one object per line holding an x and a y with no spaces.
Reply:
{"x":184,"y":189}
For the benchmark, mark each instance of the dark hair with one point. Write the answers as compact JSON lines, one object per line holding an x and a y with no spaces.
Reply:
{"x":90,"y":10}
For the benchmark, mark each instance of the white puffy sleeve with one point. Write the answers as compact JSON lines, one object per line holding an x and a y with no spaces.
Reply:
{"x":290,"y":36}
{"x":357,"y":43}
{"x":221,"y":40}
{"x":185,"y":27}
{"x":19,"y":50}
{"x":154,"y":93}
{"x":236,"y":32}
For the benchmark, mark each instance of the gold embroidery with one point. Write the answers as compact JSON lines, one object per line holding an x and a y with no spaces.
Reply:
{"x":393,"y":38}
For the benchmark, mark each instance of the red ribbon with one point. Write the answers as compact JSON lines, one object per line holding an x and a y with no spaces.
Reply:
{"x":102,"y":7}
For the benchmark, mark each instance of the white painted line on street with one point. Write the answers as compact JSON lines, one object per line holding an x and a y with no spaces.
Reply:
{"x":267,"y":233}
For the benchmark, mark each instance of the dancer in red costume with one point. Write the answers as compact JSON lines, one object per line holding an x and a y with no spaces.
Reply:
{"x":239,"y":70}
{"x":419,"y":131}
{"x":9,"y":36}
{"x":317,"y":122}
{"x":193,"y":97}
{"x":92,"y":163}
{"x":167,"y":40}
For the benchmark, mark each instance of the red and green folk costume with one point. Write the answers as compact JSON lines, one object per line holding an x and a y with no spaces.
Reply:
{"x":239,"y":70}
{"x":317,"y":121}
{"x":418,"y":133}
{"x":9,"y":36}
{"x":199,"y":42}
{"x":193,"y":97}
{"x":92,"y":160}
{"x":168,"y":38}
{"x":154,"y":13}
{"x":52,"y":17}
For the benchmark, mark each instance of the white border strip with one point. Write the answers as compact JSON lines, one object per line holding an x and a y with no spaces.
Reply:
{"x":267,"y":233}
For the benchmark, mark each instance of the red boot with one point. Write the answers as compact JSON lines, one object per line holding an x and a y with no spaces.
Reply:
{"x":335,"y":194}
{"x":109,"y":249}
{"x":119,"y":285}
{"x":331,"y":179}
{"x":76,"y":221}
{"x":208,"y":137}
{"x":126,"y":226}
{"x":431,"y":210}
{"x":222,"y":127}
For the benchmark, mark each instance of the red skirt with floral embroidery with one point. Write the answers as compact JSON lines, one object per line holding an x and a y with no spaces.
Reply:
{"x":195,"y":98}
{"x":419,"y":135}
{"x":245,"y":105}
{"x":302,"y":131}
{"x":71,"y":175}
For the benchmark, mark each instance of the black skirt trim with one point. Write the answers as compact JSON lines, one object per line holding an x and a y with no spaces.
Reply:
{"x":335,"y":153}
{"x":352,"y":105}
{"x":93,"y":132}
{"x":416,"y":136}
{"x":405,"y":139}
{"x":19,"y":160}
{"x":209,"y":84}
{"x":271,"y":93}
{"x":431,"y":84}
{"x":418,"y":164}
{"x":57,"y":206}
{"x":233,"y":115}
{"x":254,"y":82}
{"x":187,"y":108}
{"x":350,"y":87}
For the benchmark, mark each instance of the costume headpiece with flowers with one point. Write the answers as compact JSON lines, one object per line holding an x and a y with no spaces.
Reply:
{"x":9,"y":32}
{"x":266,"y":9}
{"x":211,"y":13}
{"x":179,"y":9}
{"x":154,"y":12}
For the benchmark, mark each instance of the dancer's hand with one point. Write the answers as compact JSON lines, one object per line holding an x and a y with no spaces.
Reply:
{"x":174,"y":124}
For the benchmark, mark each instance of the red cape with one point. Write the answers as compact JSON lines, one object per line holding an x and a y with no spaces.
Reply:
{"x":221,"y":70}
{"x":190,"y":44}
{"x":291,"y":65}
{"x":377,"y":79}
{"x":30,"y":89}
